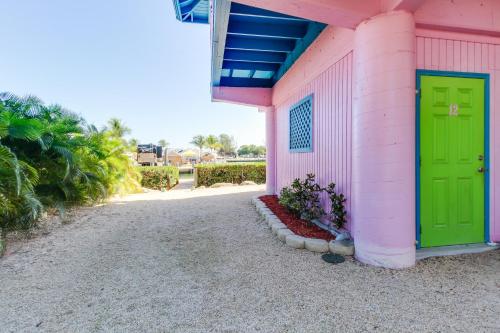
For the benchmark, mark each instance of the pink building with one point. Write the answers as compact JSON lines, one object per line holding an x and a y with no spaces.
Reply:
{"x":393,"y":100}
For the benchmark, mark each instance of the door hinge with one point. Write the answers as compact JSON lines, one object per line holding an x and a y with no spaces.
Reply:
{"x":418,"y":92}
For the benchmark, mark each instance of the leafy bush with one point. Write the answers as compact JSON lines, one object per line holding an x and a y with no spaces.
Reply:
{"x":159,"y":177}
{"x":303,"y":198}
{"x":338,"y":213}
{"x":210,"y":174}
{"x":50,"y":157}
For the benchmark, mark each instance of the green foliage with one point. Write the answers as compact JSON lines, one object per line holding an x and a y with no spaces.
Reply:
{"x":199,"y":141}
{"x":251,"y":150}
{"x":163,"y":143}
{"x":49,"y":157}
{"x":159,"y":178}
{"x":211,"y":142}
{"x":227,"y":145}
{"x":302,"y":198}
{"x":210,"y":174}
{"x":338,"y":213}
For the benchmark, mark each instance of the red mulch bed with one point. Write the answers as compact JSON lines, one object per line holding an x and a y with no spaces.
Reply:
{"x":298,"y":226}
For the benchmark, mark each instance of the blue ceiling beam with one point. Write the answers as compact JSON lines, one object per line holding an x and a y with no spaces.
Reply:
{"x":290,"y":31}
{"x":245,"y":82}
{"x":260,"y":44}
{"x":255,"y":56}
{"x":243,"y":10}
{"x":260,"y":66}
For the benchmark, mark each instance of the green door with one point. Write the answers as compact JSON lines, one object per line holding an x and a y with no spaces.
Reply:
{"x":451,"y":161}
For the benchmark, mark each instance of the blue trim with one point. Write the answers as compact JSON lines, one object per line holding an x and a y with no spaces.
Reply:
{"x":486,"y":78}
{"x":308,"y":149}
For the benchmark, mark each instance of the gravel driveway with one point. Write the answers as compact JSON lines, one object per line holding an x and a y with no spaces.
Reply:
{"x":200,"y":261}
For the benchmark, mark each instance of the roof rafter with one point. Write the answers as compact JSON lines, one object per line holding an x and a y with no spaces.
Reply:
{"x":260,"y":44}
{"x":295,"y":31}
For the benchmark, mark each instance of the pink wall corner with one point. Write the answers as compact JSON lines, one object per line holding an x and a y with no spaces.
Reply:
{"x":270,"y":149}
{"x":383,"y":127}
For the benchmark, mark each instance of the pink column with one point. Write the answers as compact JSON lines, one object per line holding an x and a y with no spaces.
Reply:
{"x":271,"y":149}
{"x":383,"y":121}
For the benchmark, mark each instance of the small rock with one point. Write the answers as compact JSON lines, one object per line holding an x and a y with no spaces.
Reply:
{"x":342,"y":236}
{"x":343,"y":247}
{"x":248,"y":182}
{"x":282,"y":233}
{"x":316,"y":245}
{"x":295,"y":241}
{"x":276,"y":226}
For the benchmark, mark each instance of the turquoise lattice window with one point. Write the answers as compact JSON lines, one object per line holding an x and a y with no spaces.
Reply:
{"x":301,"y":115}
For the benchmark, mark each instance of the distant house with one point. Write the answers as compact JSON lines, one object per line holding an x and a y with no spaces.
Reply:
{"x":190,"y":155}
{"x":395,"y":101}
{"x":208,"y":157}
{"x":174,"y":157}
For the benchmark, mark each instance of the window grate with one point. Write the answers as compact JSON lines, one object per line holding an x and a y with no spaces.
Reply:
{"x":301,"y":125}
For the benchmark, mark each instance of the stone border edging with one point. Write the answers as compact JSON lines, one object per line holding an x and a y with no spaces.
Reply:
{"x":298,"y":242}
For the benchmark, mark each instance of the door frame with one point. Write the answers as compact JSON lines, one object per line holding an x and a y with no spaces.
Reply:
{"x":486,"y":78}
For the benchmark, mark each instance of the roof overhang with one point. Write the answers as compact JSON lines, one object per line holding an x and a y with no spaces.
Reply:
{"x":253,"y":47}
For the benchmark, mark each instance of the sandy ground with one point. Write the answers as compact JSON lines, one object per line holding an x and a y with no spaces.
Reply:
{"x":201,"y":261}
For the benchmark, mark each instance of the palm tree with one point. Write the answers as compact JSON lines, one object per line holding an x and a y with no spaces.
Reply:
{"x":199,"y":141}
{"x":118,"y":128}
{"x":211,"y":142}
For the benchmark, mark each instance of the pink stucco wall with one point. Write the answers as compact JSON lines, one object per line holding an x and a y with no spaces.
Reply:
{"x":325,"y":70}
{"x":331,"y":156}
{"x":459,"y":52}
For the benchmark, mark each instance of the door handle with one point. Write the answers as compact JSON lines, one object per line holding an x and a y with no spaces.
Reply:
{"x":481,"y":170}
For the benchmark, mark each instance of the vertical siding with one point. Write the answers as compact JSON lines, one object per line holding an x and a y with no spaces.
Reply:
{"x":330,"y":159}
{"x":466,"y":55}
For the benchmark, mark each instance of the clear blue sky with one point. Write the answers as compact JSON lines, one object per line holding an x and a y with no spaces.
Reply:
{"x":129,"y":59}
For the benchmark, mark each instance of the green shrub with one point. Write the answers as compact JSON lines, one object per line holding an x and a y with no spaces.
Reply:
{"x":302,"y":198}
{"x":52,"y":158}
{"x":210,"y":174}
{"x":159,"y":177}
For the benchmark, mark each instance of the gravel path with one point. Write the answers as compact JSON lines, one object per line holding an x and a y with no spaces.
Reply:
{"x":200,"y":261}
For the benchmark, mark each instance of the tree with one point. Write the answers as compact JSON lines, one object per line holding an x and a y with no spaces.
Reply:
{"x":163,"y":143}
{"x":132,"y":144}
{"x":199,"y":141}
{"x":251,"y":150}
{"x":211,"y":142}
{"x":227,"y":144}
{"x":118,"y":128}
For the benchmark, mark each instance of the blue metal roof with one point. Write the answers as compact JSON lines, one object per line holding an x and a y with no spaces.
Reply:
{"x":193,"y":11}
{"x":252,"y":47}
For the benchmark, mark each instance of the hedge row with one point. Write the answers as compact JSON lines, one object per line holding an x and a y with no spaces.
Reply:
{"x":159,"y":177}
{"x":207,"y":175}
